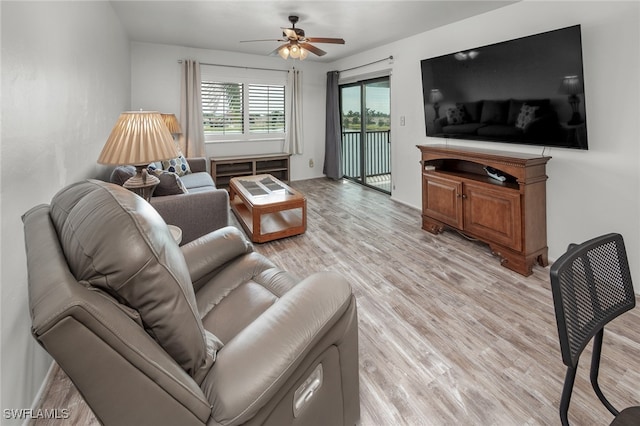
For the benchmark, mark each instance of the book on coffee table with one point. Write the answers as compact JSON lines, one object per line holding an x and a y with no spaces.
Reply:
{"x":272,"y":185}
{"x":254,"y":189}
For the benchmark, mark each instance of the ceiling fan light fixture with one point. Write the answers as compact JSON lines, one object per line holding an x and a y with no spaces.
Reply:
{"x":297,"y":45}
{"x":284,"y":52}
{"x":294,"y":51}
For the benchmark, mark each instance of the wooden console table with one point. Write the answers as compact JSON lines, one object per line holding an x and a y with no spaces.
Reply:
{"x":510,"y":216}
{"x":225,"y":168}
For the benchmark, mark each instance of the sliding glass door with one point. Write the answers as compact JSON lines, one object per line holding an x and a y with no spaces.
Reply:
{"x":366,"y":124}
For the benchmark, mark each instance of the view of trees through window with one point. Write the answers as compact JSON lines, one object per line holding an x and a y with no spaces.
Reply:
{"x":375,"y":120}
{"x":376,"y":114}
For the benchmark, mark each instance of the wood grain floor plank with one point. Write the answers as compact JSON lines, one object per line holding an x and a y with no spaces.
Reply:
{"x":447,"y":335}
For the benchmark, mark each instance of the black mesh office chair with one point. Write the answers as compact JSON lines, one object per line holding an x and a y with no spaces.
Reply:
{"x":591,"y":286}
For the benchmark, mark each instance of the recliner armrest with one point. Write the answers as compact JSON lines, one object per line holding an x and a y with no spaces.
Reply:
{"x":257,"y":361}
{"x":211,"y":251}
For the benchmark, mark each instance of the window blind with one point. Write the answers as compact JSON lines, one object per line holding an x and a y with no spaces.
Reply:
{"x":240,"y":102}
{"x":266,"y":108}
{"x":222,"y":107}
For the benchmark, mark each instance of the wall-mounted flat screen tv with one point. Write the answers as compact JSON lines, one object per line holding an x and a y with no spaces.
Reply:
{"x":525,"y":91}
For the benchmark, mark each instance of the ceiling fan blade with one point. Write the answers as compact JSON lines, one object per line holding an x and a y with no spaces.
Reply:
{"x":311,"y":48}
{"x":325,"y":40}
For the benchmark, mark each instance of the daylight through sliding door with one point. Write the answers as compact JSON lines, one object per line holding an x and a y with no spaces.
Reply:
{"x":366,"y":124}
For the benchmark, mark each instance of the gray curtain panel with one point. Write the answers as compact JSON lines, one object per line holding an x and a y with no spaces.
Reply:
{"x":333,"y":153}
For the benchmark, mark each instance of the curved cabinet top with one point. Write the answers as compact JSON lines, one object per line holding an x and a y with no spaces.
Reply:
{"x":526,"y":168}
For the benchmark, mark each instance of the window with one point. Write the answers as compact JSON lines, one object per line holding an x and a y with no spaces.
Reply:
{"x":242,"y":107}
{"x":222,"y":108}
{"x":266,"y":108}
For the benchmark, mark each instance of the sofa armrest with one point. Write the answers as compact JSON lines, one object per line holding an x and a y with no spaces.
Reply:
{"x":196,"y":213}
{"x":211,"y":251}
{"x":197,"y":164}
{"x":251,"y":367}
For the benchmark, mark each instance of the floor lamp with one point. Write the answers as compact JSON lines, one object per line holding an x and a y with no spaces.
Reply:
{"x":139,"y":138}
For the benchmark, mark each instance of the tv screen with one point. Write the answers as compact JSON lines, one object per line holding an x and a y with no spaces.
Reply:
{"x":525,"y":91}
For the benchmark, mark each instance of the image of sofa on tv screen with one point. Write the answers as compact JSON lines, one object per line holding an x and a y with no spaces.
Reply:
{"x":527,"y":120}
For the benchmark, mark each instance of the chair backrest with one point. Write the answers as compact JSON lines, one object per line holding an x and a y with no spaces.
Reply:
{"x":123,"y":374}
{"x":115,"y":241}
{"x":591,"y":285}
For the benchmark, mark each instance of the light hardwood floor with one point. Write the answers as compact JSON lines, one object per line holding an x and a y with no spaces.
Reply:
{"x":447,"y":336}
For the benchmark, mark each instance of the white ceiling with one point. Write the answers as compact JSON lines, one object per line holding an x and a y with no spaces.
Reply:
{"x":221,"y":25}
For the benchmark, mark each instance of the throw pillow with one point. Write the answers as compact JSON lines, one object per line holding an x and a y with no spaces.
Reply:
{"x":170,"y":183}
{"x":456,"y":115}
{"x":178,"y":165}
{"x":515,"y":106}
{"x":526,"y":116}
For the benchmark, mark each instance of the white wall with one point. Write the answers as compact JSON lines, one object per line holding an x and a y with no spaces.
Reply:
{"x":67,"y":74}
{"x":588,"y":192}
{"x":65,"y":80}
{"x":155,"y":82}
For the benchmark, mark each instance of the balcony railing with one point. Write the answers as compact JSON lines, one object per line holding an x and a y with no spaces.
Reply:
{"x":377,"y":154}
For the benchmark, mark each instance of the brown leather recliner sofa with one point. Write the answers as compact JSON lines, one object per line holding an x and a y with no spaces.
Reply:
{"x":210,"y":333}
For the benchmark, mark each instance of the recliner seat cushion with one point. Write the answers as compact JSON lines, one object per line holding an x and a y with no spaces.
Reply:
{"x":114,"y":240}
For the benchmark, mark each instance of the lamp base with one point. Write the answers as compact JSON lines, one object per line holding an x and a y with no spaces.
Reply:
{"x":574,"y":101}
{"x":575,"y":119}
{"x":436,"y":108}
{"x":142,"y":183}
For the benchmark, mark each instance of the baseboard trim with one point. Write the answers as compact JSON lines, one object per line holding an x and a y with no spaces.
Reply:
{"x":405,"y":203}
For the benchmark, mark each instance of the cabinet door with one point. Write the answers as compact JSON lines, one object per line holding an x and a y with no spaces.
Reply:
{"x":442,"y":199}
{"x":493,"y":214}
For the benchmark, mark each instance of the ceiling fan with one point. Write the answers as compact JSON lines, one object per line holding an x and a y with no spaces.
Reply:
{"x":298,"y":45}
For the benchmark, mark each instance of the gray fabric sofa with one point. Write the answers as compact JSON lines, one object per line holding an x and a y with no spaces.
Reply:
{"x":204,"y":208}
{"x":210,"y":333}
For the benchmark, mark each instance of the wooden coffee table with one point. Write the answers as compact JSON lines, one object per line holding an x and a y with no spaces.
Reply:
{"x":267,"y":208}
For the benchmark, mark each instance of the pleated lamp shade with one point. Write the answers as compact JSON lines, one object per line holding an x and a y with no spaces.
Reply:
{"x":570,"y":85}
{"x":435,"y":96}
{"x":138,"y":138}
{"x":172,"y":123}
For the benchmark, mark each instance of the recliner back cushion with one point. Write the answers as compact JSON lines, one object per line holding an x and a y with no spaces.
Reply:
{"x":114,"y":240}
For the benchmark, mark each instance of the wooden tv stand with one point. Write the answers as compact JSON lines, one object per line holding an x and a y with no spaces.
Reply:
{"x":510,"y":216}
